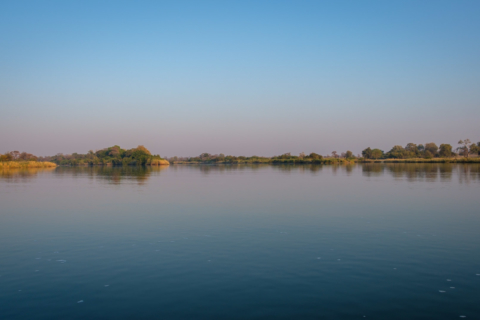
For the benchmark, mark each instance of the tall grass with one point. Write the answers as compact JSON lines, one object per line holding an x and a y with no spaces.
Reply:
{"x":159,"y":162}
{"x":26,"y":164}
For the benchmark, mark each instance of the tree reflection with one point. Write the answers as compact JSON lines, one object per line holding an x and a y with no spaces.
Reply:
{"x":113,"y":175}
{"x":412,"y":171}
{"x":211,"y":168}
{"x":372,"y":169}
{"x":429,"y":172}
{"x":468,"y":173}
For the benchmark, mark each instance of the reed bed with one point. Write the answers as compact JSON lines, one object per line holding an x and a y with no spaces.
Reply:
{"x":26,"y":164}
{"x":159,"y":162}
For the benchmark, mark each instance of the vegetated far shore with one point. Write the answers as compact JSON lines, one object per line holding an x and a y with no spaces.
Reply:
{"x":466,"y":152}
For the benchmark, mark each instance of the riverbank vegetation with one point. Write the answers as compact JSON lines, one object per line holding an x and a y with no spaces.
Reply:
{"x":112,"y":156}
{"x":412,"y":153}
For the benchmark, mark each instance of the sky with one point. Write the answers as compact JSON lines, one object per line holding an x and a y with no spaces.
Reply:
{"x":237,"y":77}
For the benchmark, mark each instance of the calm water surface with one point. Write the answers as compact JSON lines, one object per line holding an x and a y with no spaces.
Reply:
{"x":241,"y":242}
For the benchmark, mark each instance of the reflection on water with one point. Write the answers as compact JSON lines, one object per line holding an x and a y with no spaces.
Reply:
{"x":427,"y":171}
{"x":410,"y":171}
{"x":115,"y":175}
{"x":424,"y":171}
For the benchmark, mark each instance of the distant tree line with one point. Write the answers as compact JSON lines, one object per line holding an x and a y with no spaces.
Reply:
{"x":283,"y":158}
{"x":410,"y":151}
{"x":427,"y":151}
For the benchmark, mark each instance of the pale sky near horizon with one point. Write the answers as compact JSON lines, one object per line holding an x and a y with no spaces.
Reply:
{"x":237,"y":77}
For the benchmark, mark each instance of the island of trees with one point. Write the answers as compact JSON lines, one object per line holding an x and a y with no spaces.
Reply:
{"x":115,"y":156}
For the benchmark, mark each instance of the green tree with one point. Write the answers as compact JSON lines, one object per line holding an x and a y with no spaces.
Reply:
{"x":397,"y":152}
{"x":474,"y":149}
{"x":367,"y":153}
{"x":145,"y":150}
{"x":349,"y":154}
{"x":464,"y":147}
{"x":101,"y":153}
{"x":445,"y":150}
{"x":314,"y":156}
{"x":140,"y":153}
{"x":377,"y":153}
{"x":114,"y":151}
{"x":411,"y":149}
{"x":432,"y":147}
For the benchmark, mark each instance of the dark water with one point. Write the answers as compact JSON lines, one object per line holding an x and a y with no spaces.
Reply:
{"x":241,"y":242}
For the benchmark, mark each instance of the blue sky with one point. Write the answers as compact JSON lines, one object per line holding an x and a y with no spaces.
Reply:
{"x":237,"y":77}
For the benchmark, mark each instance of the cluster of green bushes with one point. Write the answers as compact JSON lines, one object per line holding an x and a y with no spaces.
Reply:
{"x":219,"y":158}
{"x":314,"y":158}
{"x":114,"y":156}
{"x":427,"y":151}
